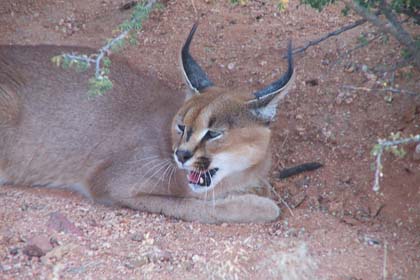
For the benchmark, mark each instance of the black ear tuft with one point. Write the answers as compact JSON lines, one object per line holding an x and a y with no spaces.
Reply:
{"x":264,"y":105}
{"x":195,"y":77}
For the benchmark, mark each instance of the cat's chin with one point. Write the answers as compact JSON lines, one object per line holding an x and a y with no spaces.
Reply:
{"x":200,"y":189}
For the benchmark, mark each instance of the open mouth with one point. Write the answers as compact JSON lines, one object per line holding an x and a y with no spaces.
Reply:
{"x":201,"y":178}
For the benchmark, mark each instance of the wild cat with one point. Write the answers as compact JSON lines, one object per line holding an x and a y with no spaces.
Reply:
{"x":200,"y":157}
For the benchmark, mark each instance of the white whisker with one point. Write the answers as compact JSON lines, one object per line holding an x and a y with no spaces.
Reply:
{"x":168,"y":171}
{"x":156,"y":163}
{"x":160,"y":169}
{"x":271,"y":188}
{"x":156,"y":166}
{"x":173,"y":170}
{"x":142,"y":159}
{"x":164,"y":172}
{"x":214,"y":202}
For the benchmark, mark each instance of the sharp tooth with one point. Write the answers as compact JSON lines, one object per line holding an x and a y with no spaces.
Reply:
{"x":201,"y":180}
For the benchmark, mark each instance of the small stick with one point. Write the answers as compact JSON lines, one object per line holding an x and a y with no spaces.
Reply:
{"x":383,"y":144}
{"x":328,"y":35}
{"x":195,"y":9}
{"x":278,"y":196}
{"x":335,"y":33}
{"x":384,"y":272}
{"x":390,"y":89}
{"x":284,"y":141}
{"x":97,"y":58}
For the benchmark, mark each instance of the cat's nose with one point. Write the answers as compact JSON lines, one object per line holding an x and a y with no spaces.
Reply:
{"x":183,"y":155}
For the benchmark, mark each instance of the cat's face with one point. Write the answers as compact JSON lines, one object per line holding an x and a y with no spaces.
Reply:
{"x":215,"y":135}
{"x":219,"y":134}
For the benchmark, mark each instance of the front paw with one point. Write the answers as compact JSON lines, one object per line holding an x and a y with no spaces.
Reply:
{"x":247,"y":208}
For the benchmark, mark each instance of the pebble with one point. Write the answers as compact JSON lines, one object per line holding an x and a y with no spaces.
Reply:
{"x":138,"y":262}
{"x":344,"y":97}
{"x":5,"y":267}
{"x":129,"y":265}
{"x":231,"y":66}
{"x":33,"y":251}
{"x":371,"y":77}
{"x":58,"y":252}
{"x":299,"y":117}
{"x":59,"y":222}
{"x":14,"y":251}
{"x":163,"y":256}
{"x":197,"y":259}
{"x":137,"y":237}
{"x":42,"y":242}
{"x":350,"y":68}
{"x":365,"y":68}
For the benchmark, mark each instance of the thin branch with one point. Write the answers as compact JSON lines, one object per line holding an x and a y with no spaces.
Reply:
{"x":336,"y":33}
{"x":358,"y":46}
{"x":390,"y":143}
{"x":364,"y":44}
{"x":392,"y":18}
{"x":390,"y":26}
{"x":399,"y":64}
{"x":195,"y":9}
{"x":413,"y":14}
{"x":378,"y":170}
{"x":382,"y":144}
{"x":384,"y":270}
{"x":271,"y":188}
{"x":80,"y":58}
{"x":103,"y":51}
{"x":389,"y":89}
{"x":328,"y":35}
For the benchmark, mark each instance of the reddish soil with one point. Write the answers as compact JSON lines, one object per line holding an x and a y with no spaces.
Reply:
{"x":338,"y":227}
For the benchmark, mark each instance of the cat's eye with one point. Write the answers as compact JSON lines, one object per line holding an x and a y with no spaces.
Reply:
{"x":180,"y":128}
{"x":211,"y":135}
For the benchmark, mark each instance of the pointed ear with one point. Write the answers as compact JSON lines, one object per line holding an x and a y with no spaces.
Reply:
{"x":264,"y":104}
{"x":194,"y":76}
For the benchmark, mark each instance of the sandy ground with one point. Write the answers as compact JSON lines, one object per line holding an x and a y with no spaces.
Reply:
{"x":338,"y":227}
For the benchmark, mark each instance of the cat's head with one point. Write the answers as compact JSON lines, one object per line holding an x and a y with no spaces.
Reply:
{"x":223,"y":134}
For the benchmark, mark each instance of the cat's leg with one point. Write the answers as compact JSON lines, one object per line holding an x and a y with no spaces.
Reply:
{"x":236,"y":209}
{"x":3,"y":177}
{"x":114,"y":184}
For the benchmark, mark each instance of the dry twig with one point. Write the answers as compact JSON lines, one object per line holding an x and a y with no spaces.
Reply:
{"x":384,"y":271}
{"x":388,"y":89}
{"x":378,"y":151}
{"x":102,"y":52}
{"x":328,"y":35}
{"x":391,"y":26}
{"x":271,"y":188}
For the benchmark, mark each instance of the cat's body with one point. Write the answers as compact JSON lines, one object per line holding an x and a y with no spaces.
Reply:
{"x":122,"y":148}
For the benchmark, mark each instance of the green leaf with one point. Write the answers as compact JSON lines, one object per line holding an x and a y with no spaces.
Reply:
{"x":159,"y":6}
{"x":66,"y":62}
{"x":363,"y":40}
{"x":317,"y":4}
{"x":405,"y":53}
{"x":98,"y":86}
{"x":132,"y":40}
{"x":106,"y":61}
{"x":375,"y":150}
{"x":345,"y":11}
{"x":57,"y":60}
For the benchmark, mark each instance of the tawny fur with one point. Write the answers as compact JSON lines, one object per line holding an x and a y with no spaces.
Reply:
{"x":10,"y":102}
{"x":118,"y":148}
